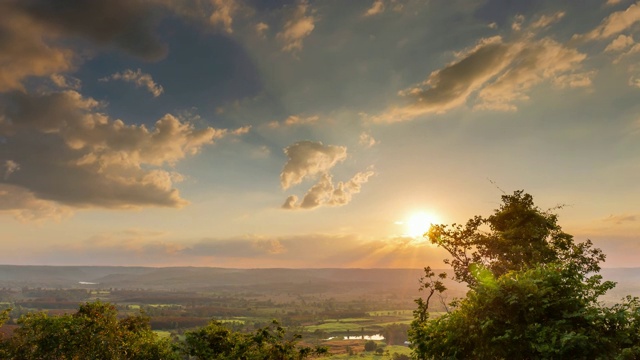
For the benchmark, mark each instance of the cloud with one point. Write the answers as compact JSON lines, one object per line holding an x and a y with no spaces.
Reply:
{"x":376,"y":8}
{"x":70,"y":153}
{"x":66,"y":82}
{"x":518,"y":20}
{"x":613,"y":24}
{"x":450,"y":86}
{"x":315,"y":250}
{"x":538,"y":61}
{"x":620,"y":43}
{"x":294,"y":120}
{"x":494,"y":74}
{"x":324,"y":193}
{"x":296,"y":28}
{"x":367,"y":140}
{"x":612,"y":2}
{"x":138,"y":78}
{"x":261,"y":29}
{"x":546,"y":20}
{"x":126,"y":24}
{"x":308,"y":159}
{"x":38,"y":35}
{"x":25,"y":49}
{"x":619,"y":219}
{"x":290,"y":202}
{"x":222,"y":14}
{"x":10,"y":167}
{"x":26,"y":207}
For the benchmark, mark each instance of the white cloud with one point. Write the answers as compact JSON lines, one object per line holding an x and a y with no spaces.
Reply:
{"x":66,"y":82}
{"x":546,"y":20}
{"x":367,"y":140}
{"x":324,"y":193}
{"x":138,"y":78}
{"x":499,"y":72}
{"x":10,"y":167}
{"x":613,"y":24}
{"x":294,"y":120}
{"x":535,"y":61}
{"x":23,"y":205}
{"x":261,"y":29}
{"x":518,"y":20}
{"x":297,"y":28}
{"x":450,"y":86}
{"x":308,"y":159}
{"x":620,"y":43}
{"x":634,"y":82}
{"x":222,"y":14}
{"x":376,"y":8}
{"x":576,"y":80}
{"x":290,"y":202}
{"x":86,"y":159}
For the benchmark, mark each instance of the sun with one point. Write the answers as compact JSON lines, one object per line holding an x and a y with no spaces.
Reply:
{"x":419,"y":223}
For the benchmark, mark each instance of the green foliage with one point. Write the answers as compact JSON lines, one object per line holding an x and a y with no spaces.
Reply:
{"x":533,"y":294}
{"x":432,"y":286}
{"x":370,"y":345}
{"x":395,"y":334}
{"x":94,"y":332}
{"x":397,"y":356}
{"x":520,"y":236}
{"x":4,"y":316}
{"x":215,"y":341}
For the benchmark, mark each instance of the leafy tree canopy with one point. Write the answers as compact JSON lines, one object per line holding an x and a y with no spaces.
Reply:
{"x":533,"y":293}
{"x":216,"y":342}
{"x":94,"y":332}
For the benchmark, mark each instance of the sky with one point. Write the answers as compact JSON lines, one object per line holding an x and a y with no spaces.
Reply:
{"x":305,"y":134}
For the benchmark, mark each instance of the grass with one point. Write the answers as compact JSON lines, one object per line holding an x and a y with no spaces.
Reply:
{"x":162,"y":334}
{"x":391,"y":313}
{"x":335,"y":326}
{"x":364,"y":355}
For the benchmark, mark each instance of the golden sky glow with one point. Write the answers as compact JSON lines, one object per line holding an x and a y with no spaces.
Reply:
{"x":246,"y":133}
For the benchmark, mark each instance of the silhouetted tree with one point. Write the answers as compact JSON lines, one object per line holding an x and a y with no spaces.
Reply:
{"x":533,"y":293}
{"x":94,"y":332}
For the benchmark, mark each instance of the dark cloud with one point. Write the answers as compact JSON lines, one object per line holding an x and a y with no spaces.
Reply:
{"x":60,"y":147}
{"x":125,"y":24}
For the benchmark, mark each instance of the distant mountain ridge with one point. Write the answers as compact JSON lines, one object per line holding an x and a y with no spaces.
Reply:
{"x":402,"y":281}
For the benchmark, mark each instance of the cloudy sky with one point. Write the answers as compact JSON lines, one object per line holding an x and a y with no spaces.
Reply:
{"x":246,"y":133}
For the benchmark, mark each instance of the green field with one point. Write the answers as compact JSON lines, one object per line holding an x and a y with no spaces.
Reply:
{"x":335,"y":326}
{"x":373,"y":356}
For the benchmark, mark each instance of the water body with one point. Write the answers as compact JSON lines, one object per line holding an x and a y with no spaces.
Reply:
{"x":364,"y":337}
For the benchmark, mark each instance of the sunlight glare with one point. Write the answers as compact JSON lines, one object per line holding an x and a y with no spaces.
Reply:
{"x":419,"y":223}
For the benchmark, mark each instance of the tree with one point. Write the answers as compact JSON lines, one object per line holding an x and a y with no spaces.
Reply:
{"x":215,"y":341}
{"x":520,"y":236}
{"x":533,"y":293}
{"x":395,"y":334}
{"x":370,"y":345}
{"x":93,"y":332}
{"x":4,"y":316}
